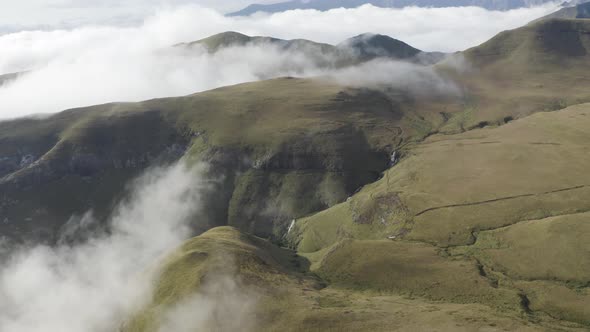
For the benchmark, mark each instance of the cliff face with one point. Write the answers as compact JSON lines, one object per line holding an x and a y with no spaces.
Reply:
{"x":262,"y":176}
{"x":76,"y":161}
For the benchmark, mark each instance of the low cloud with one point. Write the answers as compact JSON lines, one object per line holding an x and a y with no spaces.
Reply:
{"x":95,"y":285}
{"x":223,"y":303}
{"x":415,"y":79}
{"x":52,"y":14}
{"x":99,"y":64}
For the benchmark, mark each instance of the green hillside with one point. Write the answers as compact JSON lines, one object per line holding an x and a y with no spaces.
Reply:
{"x":352,"y":51}
{"x":510,"y":200}
{"x":411,"y":209}
{"x":285,"y":148}
{"x":579,"y":11}
{"x":369,"y":46}
{"x":268,"y":288}
{"x":539,"y":67}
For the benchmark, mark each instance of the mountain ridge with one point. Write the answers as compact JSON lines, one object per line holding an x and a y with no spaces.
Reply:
{"x":361,"y":48}
{"x":324,"y":5}
{"x":570,"y":12}
{"x":80,"y":144}
{"x":455,"y":212}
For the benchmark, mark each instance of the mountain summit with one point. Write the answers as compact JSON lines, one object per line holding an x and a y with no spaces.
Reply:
{"x":370,"y":45}
{"x":361,"y":48}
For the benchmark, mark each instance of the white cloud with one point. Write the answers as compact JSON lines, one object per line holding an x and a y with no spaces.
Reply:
{"x":28,"y":14}
{"x":223,"y":303}
{"x":90,"y":65}
{"x":96,"y":285}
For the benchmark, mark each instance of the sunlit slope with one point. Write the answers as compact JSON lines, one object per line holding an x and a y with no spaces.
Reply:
{"x":539,"y":67}
{"x":483,"y":195}
{"x":485,"y":212}
{"x":283,"y":148}
{"x":225,"y":280}
{"x":230,"y":39}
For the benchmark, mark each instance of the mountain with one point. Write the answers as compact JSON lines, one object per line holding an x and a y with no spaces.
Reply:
{"x":269,"y":288}
{"x":476,"y":251}
{"x":234,"y":39}
{"x":373,"y":46}
{"x":541,"y":66}
{"x":515,"y":206}
{"x":344,"y":207}
{"x":544,"y":43}
{"x":324,"y":5}
{"x":491,"y":209}
{"x":355,"y":50}
{"x":576,"y":11}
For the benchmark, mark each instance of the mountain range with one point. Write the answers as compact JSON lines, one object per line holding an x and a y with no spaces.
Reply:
{"x":324,"y":5}
{"x":372,"y":208}
{"x":355,"y":50}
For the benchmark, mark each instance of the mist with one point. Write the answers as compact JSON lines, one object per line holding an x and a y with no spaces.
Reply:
{"x":98,"y":64}
{"x":97,"y":284}
{"x":223,"y":303}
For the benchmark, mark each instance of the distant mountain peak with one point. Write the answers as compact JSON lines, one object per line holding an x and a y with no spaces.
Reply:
{"x":361,"y":48}
{"x":370,"y":45}
{"x":537,"y":46}
{"x":324,"y":5}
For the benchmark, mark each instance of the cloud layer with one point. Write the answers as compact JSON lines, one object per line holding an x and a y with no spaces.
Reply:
{"x":91,"y":65}
{"x":52,"y":14}
{"x":95,"y":285}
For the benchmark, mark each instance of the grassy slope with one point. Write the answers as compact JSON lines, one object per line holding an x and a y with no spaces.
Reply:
{"x":579,"y":11}
{"x":82,"y":160}
{"x":539,"y":67}
{"x":281,"y":296}
{"x":352,"y":51}
{"x":234,"y":39}
{"x":305,"y":144}
{"x":462,"y":193}
{"x":289,"y":147}
{"x":299,"y":145}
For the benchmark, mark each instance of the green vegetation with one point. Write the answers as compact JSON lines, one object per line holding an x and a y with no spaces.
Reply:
{"x":275,"y":293}
{"x":352,"y":51}
{"x":481,"y":224}
{"x":468,"y":202}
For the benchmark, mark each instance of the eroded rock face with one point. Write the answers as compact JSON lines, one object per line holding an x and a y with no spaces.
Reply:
{"x":35,"y":200}
{"x":55,"y":174}
{"x":328,"y":142}
{"x":262,"y":192}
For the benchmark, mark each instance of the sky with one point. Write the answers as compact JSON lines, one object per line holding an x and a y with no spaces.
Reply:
{"x":27,"y":14}
{"x":102,"y":56}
